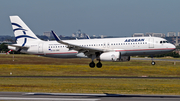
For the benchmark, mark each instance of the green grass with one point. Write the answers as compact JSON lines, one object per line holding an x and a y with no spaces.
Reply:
{"x":112,"y":86}
{"x":83,"y":70}
{"x":30,"y":65}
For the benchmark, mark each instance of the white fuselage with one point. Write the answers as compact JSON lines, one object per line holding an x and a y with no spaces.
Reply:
{"x":128,"y":46}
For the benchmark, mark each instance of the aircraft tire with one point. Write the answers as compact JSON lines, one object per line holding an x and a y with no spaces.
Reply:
{"x":99,"y":65}
{"x":153,"y":63}
{"x":92,"y":64}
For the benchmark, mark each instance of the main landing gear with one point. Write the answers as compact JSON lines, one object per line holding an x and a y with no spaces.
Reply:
{"x":98,"y":65}
{"x":92,"y":64}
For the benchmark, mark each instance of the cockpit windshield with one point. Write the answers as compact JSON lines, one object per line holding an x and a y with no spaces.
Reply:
{"x":164,"y":41}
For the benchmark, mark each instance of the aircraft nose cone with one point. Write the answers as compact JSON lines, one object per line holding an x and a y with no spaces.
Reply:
{"x":173,"y":46}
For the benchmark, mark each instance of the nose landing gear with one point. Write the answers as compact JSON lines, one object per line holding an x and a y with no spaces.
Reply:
{"x":152,"y":63}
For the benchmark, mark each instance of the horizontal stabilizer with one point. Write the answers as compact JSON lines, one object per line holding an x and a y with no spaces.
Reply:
{"x":18,"y":46}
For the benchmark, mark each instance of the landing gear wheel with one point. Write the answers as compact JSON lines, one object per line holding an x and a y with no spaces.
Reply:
{"x":99,"y":65}
{"x":153,"y":63}
{"x":92,"y":64}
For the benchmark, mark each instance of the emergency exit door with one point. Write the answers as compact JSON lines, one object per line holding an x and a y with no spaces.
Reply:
{"x":151,"y":43}
{"x":40,"y":48}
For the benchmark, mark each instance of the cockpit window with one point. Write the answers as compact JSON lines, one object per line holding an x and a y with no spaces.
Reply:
{"x":164,"y":42}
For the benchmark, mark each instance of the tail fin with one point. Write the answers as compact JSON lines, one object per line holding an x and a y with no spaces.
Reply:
{"x":21,"y":31}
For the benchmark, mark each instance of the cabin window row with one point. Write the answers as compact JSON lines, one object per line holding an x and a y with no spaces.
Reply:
{"x":101,"y":44}
{"x":128,"y":43}
{"x":57,"y":46}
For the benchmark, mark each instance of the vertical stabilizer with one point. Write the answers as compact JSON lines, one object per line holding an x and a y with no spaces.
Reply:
{"x":22,"y":32}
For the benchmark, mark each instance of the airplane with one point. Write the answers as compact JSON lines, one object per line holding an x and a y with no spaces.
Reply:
{"x":106,"y":49}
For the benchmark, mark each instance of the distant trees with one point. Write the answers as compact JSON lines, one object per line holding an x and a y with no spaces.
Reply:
{"x":3,"y":48}
{"x":177,"y":47}
{"x":172,"y":54}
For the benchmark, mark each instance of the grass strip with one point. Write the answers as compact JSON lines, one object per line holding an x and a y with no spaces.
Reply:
{"x":82,"y":70}
{"x":80,"y":85}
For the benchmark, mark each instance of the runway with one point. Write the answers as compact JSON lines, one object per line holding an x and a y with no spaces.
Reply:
{"x":18,"y":96}
{"x":155,"y":59}
{"x":92,"y":77}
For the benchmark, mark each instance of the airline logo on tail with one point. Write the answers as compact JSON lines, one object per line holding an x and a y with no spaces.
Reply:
{"x":24,"y":32}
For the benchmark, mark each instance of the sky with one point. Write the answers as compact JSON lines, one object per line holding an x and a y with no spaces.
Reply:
{"x":94,"y":17}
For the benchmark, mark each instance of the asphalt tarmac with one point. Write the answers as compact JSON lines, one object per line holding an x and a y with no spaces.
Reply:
{"x":155,"y":59}
{"x":92,"y":77}
{"x":18,"y":96}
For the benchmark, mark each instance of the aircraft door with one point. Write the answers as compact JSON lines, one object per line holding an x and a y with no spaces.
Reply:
{"x":40,"y":48}
{"x":151,"y":43}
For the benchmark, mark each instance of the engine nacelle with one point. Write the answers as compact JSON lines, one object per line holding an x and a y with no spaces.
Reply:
{"x":114,"y":56}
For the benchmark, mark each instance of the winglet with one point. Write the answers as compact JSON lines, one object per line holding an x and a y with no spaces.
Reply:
{"x":87,"y":36}
{"x":58,"y":39}
{"x":55,"y":36}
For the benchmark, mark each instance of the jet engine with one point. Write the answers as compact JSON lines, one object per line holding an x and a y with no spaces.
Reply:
{"x":114,"y":56}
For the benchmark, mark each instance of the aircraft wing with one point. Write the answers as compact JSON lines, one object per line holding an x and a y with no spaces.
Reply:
{"x":80,"y":49}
